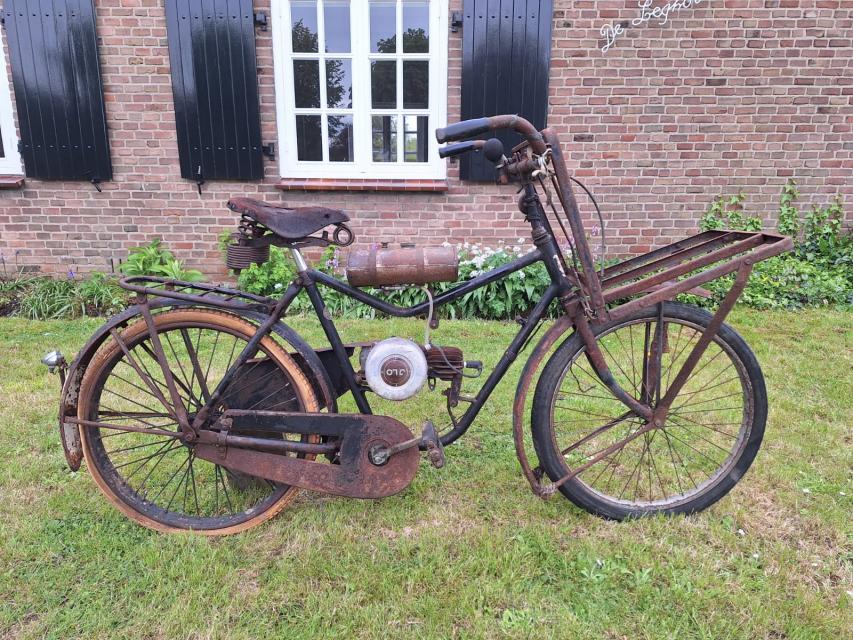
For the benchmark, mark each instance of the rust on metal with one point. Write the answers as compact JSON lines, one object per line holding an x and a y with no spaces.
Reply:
{"x":352,"y":475}
{"x":570,"y":206}
{"x":556,"y":331}
{"x":404,"y":265}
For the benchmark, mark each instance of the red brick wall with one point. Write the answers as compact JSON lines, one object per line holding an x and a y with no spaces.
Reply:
{"x":729,"y":95}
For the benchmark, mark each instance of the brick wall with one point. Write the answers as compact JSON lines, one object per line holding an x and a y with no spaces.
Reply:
{"x":729,"y":95}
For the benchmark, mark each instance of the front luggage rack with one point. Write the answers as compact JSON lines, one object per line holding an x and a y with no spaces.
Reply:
{"x":199,"y":293}
{"x":685,"y":265}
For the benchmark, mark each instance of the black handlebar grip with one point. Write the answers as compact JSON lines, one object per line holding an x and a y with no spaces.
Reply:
{"x":458,"y":148}
{"x":463,"y":130}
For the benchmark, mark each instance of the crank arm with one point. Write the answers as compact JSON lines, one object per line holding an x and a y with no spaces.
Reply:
{"x":429,"y":442}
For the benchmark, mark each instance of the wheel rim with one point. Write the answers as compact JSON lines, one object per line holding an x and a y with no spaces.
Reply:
{"x":158,"y":477}
{"x":706,"y":430}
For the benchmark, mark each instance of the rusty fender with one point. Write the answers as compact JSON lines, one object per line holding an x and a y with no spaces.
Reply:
{"x":69,"y":432}
{"x":559,"y":329}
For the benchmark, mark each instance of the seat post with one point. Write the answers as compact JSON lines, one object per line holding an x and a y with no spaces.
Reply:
{"x":301,"y":264}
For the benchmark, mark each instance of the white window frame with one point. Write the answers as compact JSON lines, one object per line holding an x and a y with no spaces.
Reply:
{"x":10,"y":163}
{"x":363,"y":166}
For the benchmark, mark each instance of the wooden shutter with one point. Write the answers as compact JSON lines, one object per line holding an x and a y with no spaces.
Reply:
{"x":58,"y":91}
{"x":506,"y":57}
{"x":215,"y":85}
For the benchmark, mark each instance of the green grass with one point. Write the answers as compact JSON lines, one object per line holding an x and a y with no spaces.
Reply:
{"x":466,"y":551}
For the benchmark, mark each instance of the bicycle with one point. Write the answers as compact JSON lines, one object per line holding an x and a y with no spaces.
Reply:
{"x":199,"y":409}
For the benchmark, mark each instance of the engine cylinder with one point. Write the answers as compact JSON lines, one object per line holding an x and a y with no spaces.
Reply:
{"x":445,"y":363}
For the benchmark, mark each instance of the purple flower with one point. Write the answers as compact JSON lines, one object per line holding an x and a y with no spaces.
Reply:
{"x":71,"y":274}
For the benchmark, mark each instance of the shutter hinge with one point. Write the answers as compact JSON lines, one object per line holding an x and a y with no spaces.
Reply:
{"x":2,"y":17}
{"x":199,"y":179}
{"x":455,"y":21}
{"x":21,"y":147}
{"x":269,"y":150}
{"x":261,"y":20}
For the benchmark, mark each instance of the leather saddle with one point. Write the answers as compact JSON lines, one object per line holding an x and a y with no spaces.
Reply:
{"x":290,"y":224}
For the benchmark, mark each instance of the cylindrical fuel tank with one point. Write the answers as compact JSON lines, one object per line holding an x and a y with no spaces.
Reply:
{"x":404,"y":265}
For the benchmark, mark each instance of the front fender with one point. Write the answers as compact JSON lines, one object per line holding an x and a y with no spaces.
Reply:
{"x":543,"y":348}
{"x":69,"y":432}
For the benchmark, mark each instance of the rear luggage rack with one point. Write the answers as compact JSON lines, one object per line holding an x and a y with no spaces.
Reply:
{"x":701,"y":258}
{"x":199,"y":293}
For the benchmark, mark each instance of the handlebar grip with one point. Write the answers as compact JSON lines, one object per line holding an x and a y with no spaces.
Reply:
{"x":460,"y":148}
{"x":463,"y":130}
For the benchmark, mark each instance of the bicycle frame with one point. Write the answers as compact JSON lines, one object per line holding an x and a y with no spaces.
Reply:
{"x":587,"y":299}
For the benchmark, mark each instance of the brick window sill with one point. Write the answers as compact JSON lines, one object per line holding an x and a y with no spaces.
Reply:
{"x":11,"y":182}
{"x":326,"y":184}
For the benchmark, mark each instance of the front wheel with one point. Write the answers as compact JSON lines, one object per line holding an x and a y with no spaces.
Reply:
{"x":711,"y":435}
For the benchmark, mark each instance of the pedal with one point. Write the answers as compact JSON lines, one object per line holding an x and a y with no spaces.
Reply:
{"x":434,"y":448}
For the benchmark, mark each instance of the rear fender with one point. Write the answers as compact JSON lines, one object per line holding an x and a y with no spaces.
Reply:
{"x":69,"y":432}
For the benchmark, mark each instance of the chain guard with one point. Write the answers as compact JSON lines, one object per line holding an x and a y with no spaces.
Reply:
{"x":352,"y":475}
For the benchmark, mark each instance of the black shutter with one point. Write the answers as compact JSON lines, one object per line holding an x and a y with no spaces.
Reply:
{"x":215,"y":84}
{"x":54,"y":57}
{"x":506,"y":56}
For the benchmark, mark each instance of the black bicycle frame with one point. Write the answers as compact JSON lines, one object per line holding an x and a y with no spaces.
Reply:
{"x":546,"y":251}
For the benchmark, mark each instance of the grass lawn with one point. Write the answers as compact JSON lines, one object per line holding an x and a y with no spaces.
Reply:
{"x":466,"y":551}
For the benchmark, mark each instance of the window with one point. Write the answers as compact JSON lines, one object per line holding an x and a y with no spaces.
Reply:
{"x":361,"y":87}
{"x":10,"y":161}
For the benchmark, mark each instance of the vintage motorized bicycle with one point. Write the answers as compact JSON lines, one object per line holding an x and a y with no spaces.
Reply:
{"x":199,"y":409}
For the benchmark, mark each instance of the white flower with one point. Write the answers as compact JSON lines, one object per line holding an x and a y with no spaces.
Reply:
{"x":520,"y":241}
{"x":807,"y":491}
{"x":741,"y":532}
{"x":521,"y":275}
{"x":756,"y":555}
{"x":445,"y":244}
{"x":516,"y":249}
{"x":278,"y":286}
{"x":466,"y":245}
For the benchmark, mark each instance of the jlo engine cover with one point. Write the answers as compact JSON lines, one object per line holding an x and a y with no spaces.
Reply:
{"x":395,"y":368}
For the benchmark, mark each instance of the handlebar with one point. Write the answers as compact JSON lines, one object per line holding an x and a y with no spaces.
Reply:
{"x":462,"y":130}
{"x":471,"y":128}
{"x":461,"y":147}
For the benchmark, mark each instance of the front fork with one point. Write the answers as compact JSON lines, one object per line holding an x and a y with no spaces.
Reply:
{"x":651,"y":407}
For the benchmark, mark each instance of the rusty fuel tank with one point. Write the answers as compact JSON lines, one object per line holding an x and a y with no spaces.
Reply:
{"x":403,"y":265}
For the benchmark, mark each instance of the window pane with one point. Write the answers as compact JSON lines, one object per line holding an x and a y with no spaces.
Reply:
{"x":309,"y":141}
{"x":415,"y":140}
{"x":415,"y":84}
{"x":306,"y":83}
{"x":303,"y":26}
{"x":383,"y":84}
{"x":336,"y":19}
{"x":340,"y":139}
{"x":415,"y":27}
{"x":339,"y":83}
{"x":383,"y":27}
{"x":384,"y":138}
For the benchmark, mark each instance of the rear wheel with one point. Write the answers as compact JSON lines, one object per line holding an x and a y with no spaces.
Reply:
{"x":156,"y":479}
{"x":710,"y":438}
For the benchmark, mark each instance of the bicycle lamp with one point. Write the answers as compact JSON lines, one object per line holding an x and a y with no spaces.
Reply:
{"x":53,"y":360}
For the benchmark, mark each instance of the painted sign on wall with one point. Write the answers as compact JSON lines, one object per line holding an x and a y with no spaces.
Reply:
{"x":648,"y":13}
